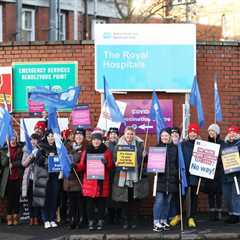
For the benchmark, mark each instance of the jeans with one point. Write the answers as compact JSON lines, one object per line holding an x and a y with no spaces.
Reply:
{"x":75,"y":206}
{"x":50,"y":208}
{"x":215,"y":200}
{"x":232,"y":200}
{"x":161,"y":206}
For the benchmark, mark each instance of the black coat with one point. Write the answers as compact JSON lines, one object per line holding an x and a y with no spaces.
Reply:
{"x":230,"y":177}
{"x":41,"y":174}
{"x":168,"y":181}
{"x":187,"y":148}
{"x":215,"y":185}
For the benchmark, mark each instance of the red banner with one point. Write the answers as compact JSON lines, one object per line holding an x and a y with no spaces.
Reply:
{"x":6,"y":86}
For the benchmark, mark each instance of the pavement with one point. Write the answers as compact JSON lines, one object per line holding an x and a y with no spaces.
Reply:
{"x":205,"y":230}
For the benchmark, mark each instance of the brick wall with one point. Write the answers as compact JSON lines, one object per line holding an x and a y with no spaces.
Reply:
{"x":222,"y":58}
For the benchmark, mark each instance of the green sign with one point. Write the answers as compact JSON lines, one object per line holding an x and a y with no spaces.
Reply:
{"x":26,"y":76}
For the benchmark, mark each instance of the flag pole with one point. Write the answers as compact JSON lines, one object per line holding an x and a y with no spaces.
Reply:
{"x":79,"y":181}
{"x":144,"y":150}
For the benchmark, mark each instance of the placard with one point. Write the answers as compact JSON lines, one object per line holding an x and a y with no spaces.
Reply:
{"x":24,"y":210}
{"x":54,"y":164}
{"x":204,"y":159}
{"x":95,"y":167}
{"x":126,"y":156}
{"x":231,"y":160}
{"x":156,"y":159}
{"x":80,"y":116}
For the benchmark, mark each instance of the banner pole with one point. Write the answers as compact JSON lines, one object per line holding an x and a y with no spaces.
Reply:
{"x":79,"y":181}
{"x":198,"y":186}
{"x":155,"y":185}
{"x":180,"y":198}
{"x":144,"y":150}
{"x":236,"y":185}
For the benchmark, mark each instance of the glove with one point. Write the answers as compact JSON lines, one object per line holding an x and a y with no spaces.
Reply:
{"x":34,"y":152}
{"x":104,"y":161}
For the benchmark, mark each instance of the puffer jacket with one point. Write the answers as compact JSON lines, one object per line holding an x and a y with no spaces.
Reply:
{"x":168,"y":181}
{"x":230,"y":177}
{"x":96,"y":188}
{"x":40,"y":173}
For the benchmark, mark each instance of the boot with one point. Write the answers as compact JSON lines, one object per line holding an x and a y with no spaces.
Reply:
{"x":91,"y":225}
{"x":212,"y":214}
{"x":218,"y":215}
{"x":100,"y":224}
{"x":72,"y":224}
{"x":9,"y":220}
{"x":35,"y":221}
{"x":175,"y":221}
{"x":191,"y":223}
{"x":125,"y":223}
{"x":232,"y":219}
{"x":31,"y":221}
{"x":15,"y":219}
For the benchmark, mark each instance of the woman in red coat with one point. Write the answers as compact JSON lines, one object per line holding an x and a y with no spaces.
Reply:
{"x":96,"y":187}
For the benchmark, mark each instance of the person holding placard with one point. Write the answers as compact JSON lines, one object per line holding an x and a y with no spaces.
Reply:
{"x":46,"y":180}
{"x":187,"y":148}
{"x":71,"y":184}
{"x":214,"y":187}
{"x":231,"y":181}
{"x":96,"y":164}
{"x":128,"y":188}
{"x":167,"y":183}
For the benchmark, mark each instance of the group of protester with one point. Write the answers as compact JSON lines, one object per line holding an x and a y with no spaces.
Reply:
{"x":118,"y":196}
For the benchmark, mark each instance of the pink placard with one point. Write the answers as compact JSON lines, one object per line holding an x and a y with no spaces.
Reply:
{"x":81,"y":116}
{"x":95,"y":167}
{"x":156,"y":159}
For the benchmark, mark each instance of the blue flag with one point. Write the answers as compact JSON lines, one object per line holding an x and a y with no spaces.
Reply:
{"x":195,"y":100}
{"x":217,"y":103}
{"x":6,"y":129}
{"x":156,"y":114}
{"x":109,"y":101}
{"x":27,"y":139}
{"x":61,"y":150}
{"x":181,"y":165}
{"x":8,"y":118}
{"x":66,"y":99}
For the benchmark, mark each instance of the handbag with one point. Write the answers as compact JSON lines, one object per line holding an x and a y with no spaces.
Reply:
{"x":141,"y":189}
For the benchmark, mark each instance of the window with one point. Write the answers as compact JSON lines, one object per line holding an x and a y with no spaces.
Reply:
{"x":96,"y":21}
{"x":62,"y":26}
{"x":28,"y":24}
{"x":1,"y":24}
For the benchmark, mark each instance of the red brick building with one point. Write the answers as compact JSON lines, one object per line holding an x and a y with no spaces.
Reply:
{"x":222,"y":58}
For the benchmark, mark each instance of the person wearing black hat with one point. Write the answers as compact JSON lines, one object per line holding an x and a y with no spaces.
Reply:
{"x":167,"y":183}
{"x":96,"y":191}
{"x":71,"y":184}
{"x":175,"y":135}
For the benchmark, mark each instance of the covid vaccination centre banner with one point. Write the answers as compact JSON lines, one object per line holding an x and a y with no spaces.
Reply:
{"x":143,"y":57}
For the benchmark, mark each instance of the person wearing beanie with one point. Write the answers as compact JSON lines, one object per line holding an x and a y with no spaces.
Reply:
{"x":96,"y":191}
{"x":214,"y":187}
{"x":127,"y":187}
{"x":175,"y":135}
{"x":167,"y":183}
{"x":71,"y":184}
{"x":40,"y":128}
{"x":231,"y":198}
{"x":187,"y":149}
{"x":114,"y":212}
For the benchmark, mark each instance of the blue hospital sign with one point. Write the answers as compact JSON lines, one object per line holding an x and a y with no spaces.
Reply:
{"x":143,"y":57}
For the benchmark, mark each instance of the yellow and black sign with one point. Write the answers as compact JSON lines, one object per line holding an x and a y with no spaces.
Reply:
{"x":126,"y":156}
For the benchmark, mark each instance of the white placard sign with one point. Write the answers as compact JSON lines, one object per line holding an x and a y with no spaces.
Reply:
{"x":204,"y":159}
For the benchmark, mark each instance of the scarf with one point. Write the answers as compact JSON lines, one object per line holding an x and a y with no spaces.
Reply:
{"x":128,"y":177}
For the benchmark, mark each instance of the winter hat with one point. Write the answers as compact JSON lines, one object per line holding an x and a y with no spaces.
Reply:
{"x":193,"y":127}
{"x":232,"y":129}
{"x":175,"y":130}
{"x":41,"y":125}
{"x":113,"y":130}
{"x":97,"y":134}
{"x":80,"y":131}
{"x":214,"y":127}
{"x":167,"y":130}
{"x":66,"y":133}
